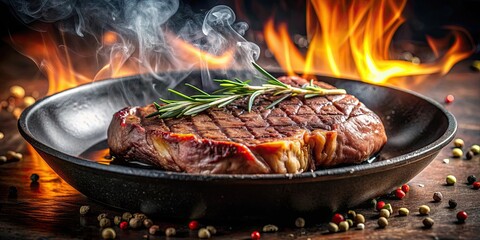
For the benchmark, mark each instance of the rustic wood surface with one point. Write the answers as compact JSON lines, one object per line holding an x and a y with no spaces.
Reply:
{"x":50,"y":209}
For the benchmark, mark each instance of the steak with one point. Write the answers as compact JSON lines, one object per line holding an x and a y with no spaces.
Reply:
{"x":296,"y":135}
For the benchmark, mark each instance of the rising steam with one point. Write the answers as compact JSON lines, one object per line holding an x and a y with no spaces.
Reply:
{"x":148,"y":34}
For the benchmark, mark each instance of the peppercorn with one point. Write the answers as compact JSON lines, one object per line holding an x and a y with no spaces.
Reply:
{"x":332,"y":227}
{"x":359,"y":218}
{"x":203,"y":233}
{"x":135,"y":223}
{"x":3,"y":159}
{"x":476,"y":185}
{"x":192,"y":225}
{"x":1,"y":133}
{"x":28,"y":101}
{"x":462,"y":216}
{"x":399,"y":193}
{"x":101,"y":215}
{"x":471,"y":179}
{"x":403,"y":211}
{"x":360,"y":226}
{"x":212,"y":229}
{"x":270,"y":228}
{"x":14,"y":156}
{"x":449,"y":98}
{"x":147,"y":223}
{"x":428,"y":222}
{"x":109,"y":233}
{"x":469,"y":155}
{"x":405,"y":188}
{"x":300,"y":222}
{"x":380,"y":205}
{"x":373,"y":202}
{"x":388,"y":206}
{"x":337,"y":218}
{"x":117,"y":220}
{"x":451,"y":180}
{"x":437,"y":196}
{"x":170,"y":232}
{"x":343,"y":226}
{"x":452,"y":203}
{"x":126,"y":216}
{"x":382,"y":222}
{"x":123,"y":225}
{"x":475,"y":149}
{"x":140,"y":216}
{"x":17,"y":91}
{"x":424,"y":210}
{"x":457,"y":152}
{"x":384,"y":213}
{"x":12,"y":192}
{"x":34,"y":177}
{"x":351,"y":214}
{"x":84,"y":210}
{"x":153,"y":229}
{"x":459,"y":143}
{"x":104,"y":222}
{"x":255,"y":235}
{"x":350,"y":222}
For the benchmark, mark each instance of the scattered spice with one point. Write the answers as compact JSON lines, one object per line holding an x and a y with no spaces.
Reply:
{"x":384,"y":213}
{"x":449,"y":98}
{"x":84,"y":210}
{"x":34,"y":177}
{"x":343,"y":226}
{"x":28,"y":101}
{"x":101,"y":215}
{"x":380,"y":205}
{"x":359,"y":218}
{"x":437,"y":196}
{"x":469,"y":155}
{"x":140,"y":216}
{"x":126,"y":216}
{"x":255,"y":235}
{"x":269,"y":228}
{"x":147,"y":223}
{"x":360,"y":226}
{"x":192,"y":225}
{"x":135,"y":223}
{"x":350,"y":222}
{"x":405,"y":188}
{"x":373,"y":202}
{"x":117,"y":220}
{"x":382,"y":222}
{"x":457,"y":152}
{"x":428,"y":222}
{"x":424,"y":210}
{"x":452,"y":203}
{"x":212,"y":229}
{"x":17,"y":91}
{"x":300,"y":222}
{"x":170,"y":232}
{"x":351,"y":214}
{"x":476,"y":185}
{"x":153,"y":229}
{"x":471,"y":179}
{"x":332,"y":227}
{"x":451,"y":180}
{"x":2,"y":135}
{"x":123,"y":225}
{"x":109,"y":233}
{"x":403,"y":212}
{"x":475,"y":149}
{"x":337,"y":218}
{"x":388,"y":206}
{"x":203,"y":233}
{"x":446,"y":160}
{"x":14,"y":156}
{"x":458,"y":142}
{"x":104,"y":222}
{"x":3,"y":159}
{"x":399,"y":193}
{"x":462,"y":216}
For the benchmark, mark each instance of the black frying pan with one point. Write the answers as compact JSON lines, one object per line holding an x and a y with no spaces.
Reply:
{"x":61,"y":127}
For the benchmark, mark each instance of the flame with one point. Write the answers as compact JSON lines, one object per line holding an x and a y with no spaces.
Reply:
{"x":353,"y":39}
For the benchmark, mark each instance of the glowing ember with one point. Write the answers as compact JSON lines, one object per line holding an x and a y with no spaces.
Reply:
{"x":353,"y":39}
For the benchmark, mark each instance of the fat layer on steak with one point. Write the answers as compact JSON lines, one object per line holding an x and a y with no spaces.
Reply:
{"x":297,"y":135}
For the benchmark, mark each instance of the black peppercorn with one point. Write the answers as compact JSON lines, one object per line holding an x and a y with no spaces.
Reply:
{"x":452,"y":203}
{"x":34,"y":177}
{"x":471,"y":179}
{"x":469,"y":155}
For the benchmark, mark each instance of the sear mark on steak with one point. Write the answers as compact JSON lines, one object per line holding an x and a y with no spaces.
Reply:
{"x":297,"y":135}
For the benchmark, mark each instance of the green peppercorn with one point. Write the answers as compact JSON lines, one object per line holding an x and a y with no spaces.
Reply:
{"x":459,"y":143}
{"x":428,"y":222}
{"x":211,"y":229}
{"x":109,"y":233}
{"x":135,"y":223}
{"x":34,"y":177}
{"x":359,"y":218}
{"x":269,"y":228}
{"x":360,"y":226}
{"x":170,"y":232}
{"x":452,"y":203}
{"x":382,"y":222}
{"x":469,"y":155}
{"x":101,"y":215}
{"x":451,"y":180}
{"x":126,"y":216}
{"x":84,"y":210}
{"x":384,"y":213}
{"x":351,"y":214}
{"x":300,"y":222}
{"x":471,"y":179}
{"x":350,"y":222}
{"x":388,"y":206}
{"x":457,"y":152}
{"x":104,"y":222}
{"x":153,"y":229}
{"x":147,"y":223}
{"x":373,"y":202}
{"x":203,"y":233}
{"x":117,"y":220}
{"x":343,"y":226}
{"x":403,"y":211}
{"x":424,"y":210}
{"x":437,"y":196}
{"x":475,"y":149}
{"x":332,"y":227}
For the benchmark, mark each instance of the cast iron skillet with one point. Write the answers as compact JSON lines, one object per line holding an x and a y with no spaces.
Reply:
{"x":61,"y":127}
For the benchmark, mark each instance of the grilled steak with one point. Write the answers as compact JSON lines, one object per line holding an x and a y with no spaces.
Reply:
{"x":297,"y":135}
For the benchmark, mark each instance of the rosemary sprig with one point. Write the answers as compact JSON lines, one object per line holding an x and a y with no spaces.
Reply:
{"x":231,"y":90}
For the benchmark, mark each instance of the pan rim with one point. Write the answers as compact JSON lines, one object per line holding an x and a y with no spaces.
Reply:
{"x":317,"y":175}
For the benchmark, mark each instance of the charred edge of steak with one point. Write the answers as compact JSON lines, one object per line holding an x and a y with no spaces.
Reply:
{"x":330,"y":131}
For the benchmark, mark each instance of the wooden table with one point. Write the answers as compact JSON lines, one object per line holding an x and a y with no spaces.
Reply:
{"x":50,"y":209}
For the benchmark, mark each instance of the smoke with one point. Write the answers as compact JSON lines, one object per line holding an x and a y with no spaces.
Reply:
{"x":147,"y":34}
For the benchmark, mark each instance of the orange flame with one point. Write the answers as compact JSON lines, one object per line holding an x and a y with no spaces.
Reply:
{"x":353,"y":39}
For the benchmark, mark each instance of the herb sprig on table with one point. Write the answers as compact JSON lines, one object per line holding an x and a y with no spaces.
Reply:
{"x":231,"y":90}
